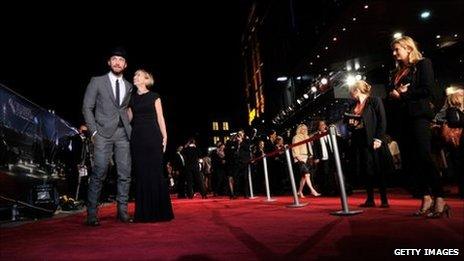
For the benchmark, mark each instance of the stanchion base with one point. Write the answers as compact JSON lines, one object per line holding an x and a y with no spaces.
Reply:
{"x":270,"y":200}
{"x":346,"y":213}
{"x":300,"y":205}
{"x":253,"y":197}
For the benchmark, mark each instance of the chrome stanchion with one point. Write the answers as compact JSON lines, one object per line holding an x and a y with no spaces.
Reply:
{"x":296,"y":203}
{"x":250,"y":182}
{"x":341,"y":181}
{"x":266,"y":181}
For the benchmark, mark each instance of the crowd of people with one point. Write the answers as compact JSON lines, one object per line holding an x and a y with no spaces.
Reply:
{"x":129,"y":126}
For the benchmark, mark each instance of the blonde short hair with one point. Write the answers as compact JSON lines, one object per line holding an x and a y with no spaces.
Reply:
{"x":148,"y":76}
{"x":408,"y":43}
{"x":362,"y":86}
{"x":455,"y":97}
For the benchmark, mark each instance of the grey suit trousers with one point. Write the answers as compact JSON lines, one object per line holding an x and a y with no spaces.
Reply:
{"x":104,"y":148}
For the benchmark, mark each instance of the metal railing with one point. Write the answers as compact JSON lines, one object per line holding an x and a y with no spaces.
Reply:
{"x":296,"y":204}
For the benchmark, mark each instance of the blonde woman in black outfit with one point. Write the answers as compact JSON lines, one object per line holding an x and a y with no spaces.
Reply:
{"x":410,"y":88}
{"x":368,"y":140}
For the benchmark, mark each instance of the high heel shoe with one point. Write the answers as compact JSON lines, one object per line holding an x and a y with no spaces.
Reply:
{"x":315,"y":193}
{"x":423,"y":211}
{"x":439,"y":214}
{"x":300,"y":194}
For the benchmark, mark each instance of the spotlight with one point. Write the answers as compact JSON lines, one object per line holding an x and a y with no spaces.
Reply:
{"x":334,"y":39}
{"x":438,"y":36}
{"x":350,"y":80}
{"x":313,"y":89}
{"x":348,"y":68}
{"x":306,"y":96}
{"x":299,"y":101}
{"x":356,"y":66}
{"x":366,"y":7}
{"x":324,"y":81}
{"x":358,"y":77}
{"x":282,"y":79}
{"x":397,"y":35}
{"x":298,"y":78}
{"x":425,"y":14}
{"x":290,"y":108}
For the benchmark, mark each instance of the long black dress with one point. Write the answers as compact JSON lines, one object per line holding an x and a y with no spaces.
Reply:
{"x":152,"y":201}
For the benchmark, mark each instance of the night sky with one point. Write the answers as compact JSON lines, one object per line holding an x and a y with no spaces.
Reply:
{"x":51,"y":57}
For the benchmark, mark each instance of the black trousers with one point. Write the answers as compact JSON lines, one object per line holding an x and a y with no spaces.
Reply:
{"x":416,"y":152}
{"x":368,"y":167}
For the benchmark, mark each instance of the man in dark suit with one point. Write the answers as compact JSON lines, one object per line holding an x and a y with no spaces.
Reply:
{"x":323,"y":155}
{"x":193,"y":175}
{"x":178,"y":165}
{"x":105,"y":112}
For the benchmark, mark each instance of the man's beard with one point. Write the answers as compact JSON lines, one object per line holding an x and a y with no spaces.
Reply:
{"x":117,"y":73}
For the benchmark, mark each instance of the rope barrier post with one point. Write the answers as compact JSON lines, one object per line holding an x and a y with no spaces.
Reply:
{"x":296,"y":203}
{"x":250,"y":182}
{"x":345,"y":211}
{"x":266,"y":179}
{"x":14,"y":213}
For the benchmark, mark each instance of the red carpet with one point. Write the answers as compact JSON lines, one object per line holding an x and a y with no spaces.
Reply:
{"x":221,"y":229}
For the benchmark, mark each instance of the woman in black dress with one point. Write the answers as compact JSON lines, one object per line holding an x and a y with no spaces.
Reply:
{"x":148,"y":143}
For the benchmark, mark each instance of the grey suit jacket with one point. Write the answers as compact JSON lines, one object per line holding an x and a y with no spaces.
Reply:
{"x":101,"y":113}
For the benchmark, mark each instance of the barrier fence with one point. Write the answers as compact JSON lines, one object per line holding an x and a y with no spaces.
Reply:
{"x":296,"y":204}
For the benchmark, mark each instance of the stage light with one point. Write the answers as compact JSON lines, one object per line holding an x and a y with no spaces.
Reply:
{"x":350,"y":80}
{"x":306,"y":96}
{"x":310,"y":63}
{"x":327,"y":48}
{"x":290,"y":108}
{"x":358,"y":77}
{"x":313,"y":89}
{"x":348,"y":68}
{"x":455,"y":35}
{"x":282,"y":79}
{"x":356,"y":66}
{"x":366,"y":6}
{"x":334,"y":39}
{"x":343,"y":29}
{"x":397,"y":35}
{"x":324,"y":81}
{"x":299,"y":101}
{"x":354,"y":19}
{"x":318,"y":56}
{"x":425,"y":14}
{"x":298,"y":78}
{"x":438,"y":36}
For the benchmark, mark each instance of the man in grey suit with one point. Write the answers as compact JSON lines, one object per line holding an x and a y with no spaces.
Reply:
{"x":105,"y":112}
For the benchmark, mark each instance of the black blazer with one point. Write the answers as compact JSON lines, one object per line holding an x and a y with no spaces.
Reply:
{"x":374,"y":120}
{"x":416,"y":101}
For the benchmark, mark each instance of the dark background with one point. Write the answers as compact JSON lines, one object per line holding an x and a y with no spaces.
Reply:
{"x":49,"y":53}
